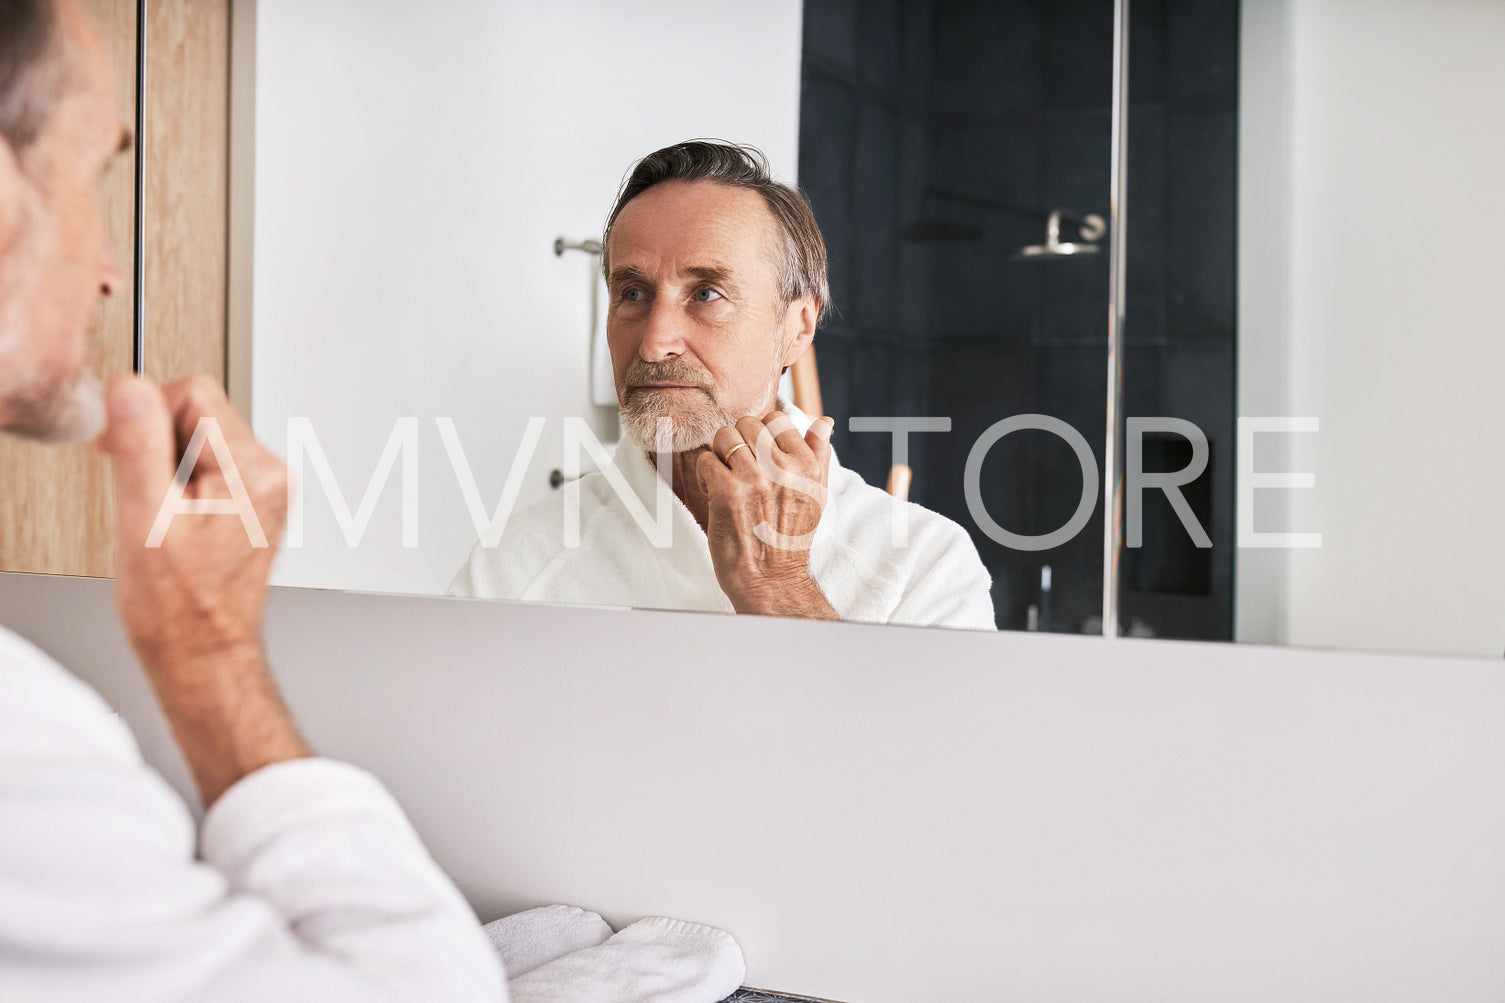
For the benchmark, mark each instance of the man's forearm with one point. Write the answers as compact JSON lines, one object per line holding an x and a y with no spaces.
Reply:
{"x":227,"y":716}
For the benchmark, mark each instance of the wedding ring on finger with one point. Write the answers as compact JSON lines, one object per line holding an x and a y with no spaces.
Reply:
{"x":727,"y":459}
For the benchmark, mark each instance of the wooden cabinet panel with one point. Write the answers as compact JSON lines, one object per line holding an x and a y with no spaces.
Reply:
{"x":187,"y":145}
{"x":56,"y":501}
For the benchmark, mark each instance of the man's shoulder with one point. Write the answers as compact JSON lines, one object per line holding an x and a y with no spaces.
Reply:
{"x":539,"y":528}
{"x":534,"y":539}
{"x":863,"y":509}
{"x":933,"y":576}
{"x":45,"y":710}
{"x":29,"y":671}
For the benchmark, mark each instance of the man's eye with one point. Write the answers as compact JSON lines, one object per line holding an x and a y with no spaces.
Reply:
{"x":632,"y":295}
{"x":706,"y":295}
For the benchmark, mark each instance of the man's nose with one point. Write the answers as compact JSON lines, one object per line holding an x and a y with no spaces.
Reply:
{"x":663,"y":336}
{"x":111,"y":281}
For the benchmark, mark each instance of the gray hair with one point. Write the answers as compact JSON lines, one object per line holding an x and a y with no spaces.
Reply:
{"x":31,"y":74}
{"x":803,"y":272}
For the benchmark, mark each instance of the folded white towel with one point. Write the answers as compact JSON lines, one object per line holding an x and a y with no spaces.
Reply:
{"x":528,"y":939}
{"x":657,"y":959}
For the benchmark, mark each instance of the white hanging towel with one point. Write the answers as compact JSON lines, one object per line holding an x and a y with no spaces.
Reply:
{"x":603,"y":382}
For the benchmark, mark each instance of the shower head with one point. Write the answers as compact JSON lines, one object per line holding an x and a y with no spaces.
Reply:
{"x":938,"y":231}
{"x":929,"y":230}
{"x":1044,"y":252}
{"x":1091,"y":227}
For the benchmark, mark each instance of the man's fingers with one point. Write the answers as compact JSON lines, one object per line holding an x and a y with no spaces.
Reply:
{"x":821,"y":428}
{"x":709,"y":467}
{"x":818,"y":438}
{"x":725,"y":440}
{"x":143,"y":452}
{"x":736,"y":451}
{"x":783,"y":429}
{"x":199,"y":397}
{"x":755,"y":434}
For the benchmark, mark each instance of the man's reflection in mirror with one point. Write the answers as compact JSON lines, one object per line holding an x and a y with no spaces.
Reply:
{"x":716,"y":275}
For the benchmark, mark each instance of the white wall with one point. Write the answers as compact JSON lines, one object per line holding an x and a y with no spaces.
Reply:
{"x":414,"y":163}
{"x":902,"y":815}
{"x":1394,"y":261}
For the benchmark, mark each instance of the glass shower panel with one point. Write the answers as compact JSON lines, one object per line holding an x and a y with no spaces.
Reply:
{"x":937,"y":139}
{"x":1180,"y":327}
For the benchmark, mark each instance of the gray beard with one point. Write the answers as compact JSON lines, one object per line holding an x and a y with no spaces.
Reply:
{"x":68,"y":412}
{"x":640,"y":418}
{"x":71,"y":410}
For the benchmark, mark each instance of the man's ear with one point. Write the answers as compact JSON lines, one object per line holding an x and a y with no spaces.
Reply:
{"x":799,"y":328}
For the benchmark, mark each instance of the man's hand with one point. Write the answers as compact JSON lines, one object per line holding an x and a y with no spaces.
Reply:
{"x":192,"y":606}
{"x":766,"y":489}
{"x":200,"y":594}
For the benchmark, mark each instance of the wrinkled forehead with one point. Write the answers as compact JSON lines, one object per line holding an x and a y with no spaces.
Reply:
{"x":82,"y":73}
{"x":89,"y":56}
{"x":677,"y":225}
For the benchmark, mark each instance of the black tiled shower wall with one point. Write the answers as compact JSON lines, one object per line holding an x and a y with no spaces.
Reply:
{"x":1009,"y":100}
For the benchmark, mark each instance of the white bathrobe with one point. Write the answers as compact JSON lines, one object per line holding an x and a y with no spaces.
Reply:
{"x":934,"y":579}
{"x":307,"y":882}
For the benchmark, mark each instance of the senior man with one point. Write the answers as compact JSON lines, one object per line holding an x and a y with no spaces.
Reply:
{"x":716,"y":275}
{"x":308,"y":882}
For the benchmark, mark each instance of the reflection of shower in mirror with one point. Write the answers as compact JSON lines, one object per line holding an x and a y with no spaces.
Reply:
{"x":1090,"y":227}
{"x":931,"y":230}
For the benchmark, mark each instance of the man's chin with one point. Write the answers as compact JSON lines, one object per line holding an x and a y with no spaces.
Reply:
{"x":686,"y":432}
{"x":75,"y":413}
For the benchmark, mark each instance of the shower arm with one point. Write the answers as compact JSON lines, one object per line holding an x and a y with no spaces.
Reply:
{"x":1091,"y":225}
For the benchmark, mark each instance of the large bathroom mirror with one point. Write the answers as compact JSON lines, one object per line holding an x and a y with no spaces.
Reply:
{"x":1306,"y":246}
{"x":414,"y":167}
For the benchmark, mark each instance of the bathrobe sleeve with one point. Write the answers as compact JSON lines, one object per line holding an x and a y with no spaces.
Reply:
{"x":309,"y":883}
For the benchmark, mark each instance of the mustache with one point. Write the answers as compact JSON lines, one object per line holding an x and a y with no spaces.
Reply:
{"x":673,"y":371}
